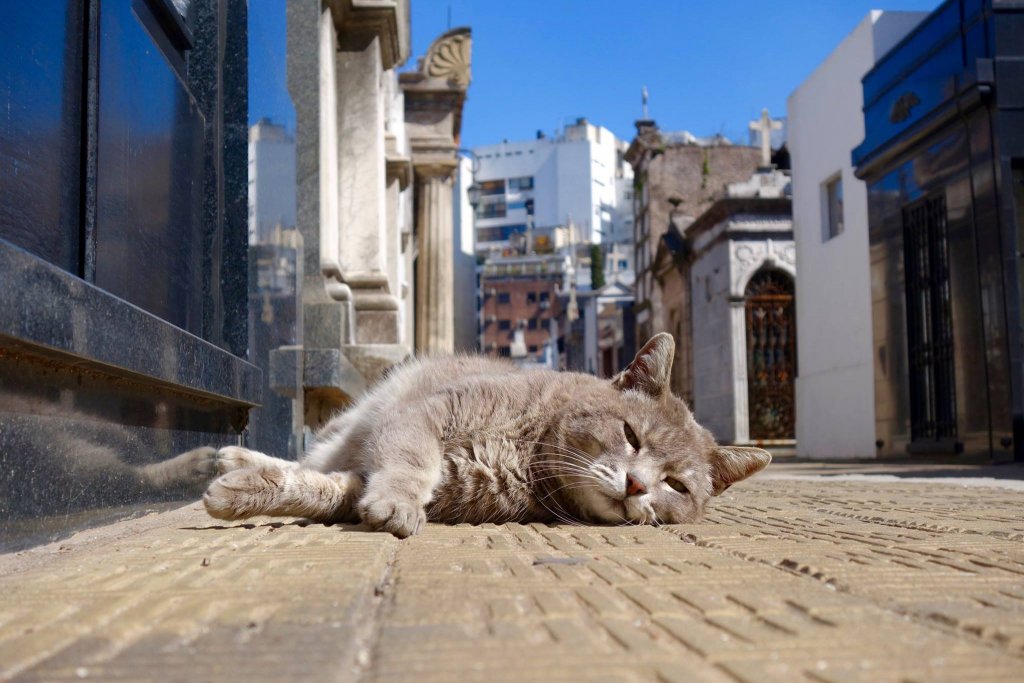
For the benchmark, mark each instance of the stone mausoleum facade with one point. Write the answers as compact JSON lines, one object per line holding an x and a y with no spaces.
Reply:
{"x":376,"y":164}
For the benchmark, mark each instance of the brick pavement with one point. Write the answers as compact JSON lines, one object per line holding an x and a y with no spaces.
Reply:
{"x":786,"y":581}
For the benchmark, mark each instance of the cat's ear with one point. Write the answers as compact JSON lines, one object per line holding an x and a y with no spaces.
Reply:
{"x":730,"y":464}
{"x":650,"y":370}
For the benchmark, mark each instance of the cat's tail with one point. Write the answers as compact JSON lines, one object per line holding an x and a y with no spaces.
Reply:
{"x":284,"y":492}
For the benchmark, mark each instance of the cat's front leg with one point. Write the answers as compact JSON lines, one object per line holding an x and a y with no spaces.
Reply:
{"x":189,"y":471}
{"x":404,"y":469}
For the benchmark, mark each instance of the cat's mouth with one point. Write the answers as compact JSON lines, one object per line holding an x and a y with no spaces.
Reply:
{"x":615,"y":506}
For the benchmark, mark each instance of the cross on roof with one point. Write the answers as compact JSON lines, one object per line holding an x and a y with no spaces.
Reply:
{"x":765,"y":125}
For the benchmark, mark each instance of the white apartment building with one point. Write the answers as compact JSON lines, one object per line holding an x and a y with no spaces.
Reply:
{"x":271,"y":180}
{"x":835,"y":384}
{"x":579,"y":174}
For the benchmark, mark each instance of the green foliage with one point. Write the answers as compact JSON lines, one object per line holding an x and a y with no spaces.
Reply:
{"x":596,"y":267}
{"x":705,"y":171}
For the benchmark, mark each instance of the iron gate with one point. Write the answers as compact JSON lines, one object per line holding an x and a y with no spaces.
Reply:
{"x":771,"y":356}
{"x":929,"y":321}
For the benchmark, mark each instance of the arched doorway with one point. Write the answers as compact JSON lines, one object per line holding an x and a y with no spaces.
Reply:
{"x":771,"y":356}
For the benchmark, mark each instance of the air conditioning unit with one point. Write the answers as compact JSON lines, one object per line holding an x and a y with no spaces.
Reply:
{"x":545,"y":305}
{"x":492,"y":318}
{"x":492,"y":292}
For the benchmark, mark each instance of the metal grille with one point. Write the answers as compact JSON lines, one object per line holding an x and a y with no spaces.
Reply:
{"x":771,"y":356}
{"x":929,"y":321}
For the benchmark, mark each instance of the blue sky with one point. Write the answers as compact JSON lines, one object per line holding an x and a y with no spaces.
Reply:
{"x":710,"y":65}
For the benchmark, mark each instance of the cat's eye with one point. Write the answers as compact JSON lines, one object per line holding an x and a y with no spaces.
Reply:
{"x":631,"y":436}
{"x":677,"y":485}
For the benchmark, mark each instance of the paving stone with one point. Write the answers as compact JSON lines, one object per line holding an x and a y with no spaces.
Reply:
{"x":786,"y":580}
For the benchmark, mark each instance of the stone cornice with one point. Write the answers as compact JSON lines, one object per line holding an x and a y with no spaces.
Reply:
{"x":400,"y":169}
{"x":360,"y":21}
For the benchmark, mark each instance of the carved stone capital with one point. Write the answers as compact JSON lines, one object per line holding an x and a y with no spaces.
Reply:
{"x":436,"y":91}
{"x":434,"y":166}
{"x":360,"y":21}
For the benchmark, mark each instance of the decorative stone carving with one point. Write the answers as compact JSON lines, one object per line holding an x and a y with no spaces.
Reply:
{"x":449,"y":58}
{"x":749,"y":257}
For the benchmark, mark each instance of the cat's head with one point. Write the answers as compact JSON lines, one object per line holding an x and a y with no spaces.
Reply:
{"x":631,"y":452}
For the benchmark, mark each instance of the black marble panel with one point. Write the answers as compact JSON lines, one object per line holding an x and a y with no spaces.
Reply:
{"x":41,"y":67}
{"x":102,"y":404}
{"x":44,"y":308}
{"x":149,"y":223}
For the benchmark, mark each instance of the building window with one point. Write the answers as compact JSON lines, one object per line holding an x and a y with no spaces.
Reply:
{"x":501,"y":233}
{"x":504,"y":324}
{"x":533,"y":348}
{"x":833,"y":197}
{"x":489,"y":187}
{"x":531,"y":324}
{"x":520,"y":184}
{"x":531,"y":297}
{"x":544,"y":296}
{"x":504,"y":351}
{"x":496,"y":209}
{"x":504,"y":298}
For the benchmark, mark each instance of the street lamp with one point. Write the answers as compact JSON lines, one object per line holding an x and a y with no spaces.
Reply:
{"x":473,"y":194}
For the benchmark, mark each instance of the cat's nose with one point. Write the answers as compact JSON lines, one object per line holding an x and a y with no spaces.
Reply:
{"x":634,"y":487}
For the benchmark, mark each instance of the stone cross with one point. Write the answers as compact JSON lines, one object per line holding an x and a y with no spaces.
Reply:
{"x":765,"y":125}
{"x":645,"y":96}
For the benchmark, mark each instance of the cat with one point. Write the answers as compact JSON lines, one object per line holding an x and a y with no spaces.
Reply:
{"x":477,"y":440}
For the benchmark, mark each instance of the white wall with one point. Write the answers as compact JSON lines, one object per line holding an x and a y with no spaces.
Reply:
{"x":835,"y":390}
{"x":464,"y":260}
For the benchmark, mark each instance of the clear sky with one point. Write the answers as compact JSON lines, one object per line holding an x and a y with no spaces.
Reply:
{"x":710,"y":65}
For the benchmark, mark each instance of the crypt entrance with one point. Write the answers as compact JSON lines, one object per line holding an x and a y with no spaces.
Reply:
{"x":769,"y":304}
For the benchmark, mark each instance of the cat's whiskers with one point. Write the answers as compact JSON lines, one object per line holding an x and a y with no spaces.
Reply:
{"x":566,"y":451}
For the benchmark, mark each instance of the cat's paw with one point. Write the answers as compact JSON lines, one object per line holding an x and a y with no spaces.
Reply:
{"x":233,"y":458}
{"x":399,"y":517}
{"x":241,"y":494}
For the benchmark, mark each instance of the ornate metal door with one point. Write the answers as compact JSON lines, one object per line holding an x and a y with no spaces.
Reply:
{"x":771,"y":356}
{"x":929,"y":321}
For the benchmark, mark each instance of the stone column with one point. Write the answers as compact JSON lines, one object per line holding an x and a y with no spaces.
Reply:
{"x":434,"y":97}
{"x":435,"y":308}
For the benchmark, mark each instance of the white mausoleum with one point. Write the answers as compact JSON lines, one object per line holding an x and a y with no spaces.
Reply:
{"x":835,"y":385}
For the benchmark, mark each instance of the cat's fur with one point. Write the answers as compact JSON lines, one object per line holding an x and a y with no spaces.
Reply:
{"x":468,"y":439}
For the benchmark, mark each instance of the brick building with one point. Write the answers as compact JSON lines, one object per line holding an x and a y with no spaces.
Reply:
{"x":522,"y":312}
{"x":676,"y":178}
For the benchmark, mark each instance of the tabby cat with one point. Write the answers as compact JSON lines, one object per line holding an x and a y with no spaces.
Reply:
{"x":470,"y":439}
